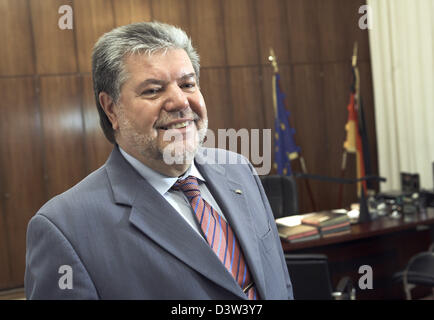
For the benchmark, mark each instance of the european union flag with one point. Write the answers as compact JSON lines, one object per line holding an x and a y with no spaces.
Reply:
{"x":285,"y":148}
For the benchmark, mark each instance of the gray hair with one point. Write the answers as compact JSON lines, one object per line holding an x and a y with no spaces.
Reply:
{"x":108,"y":69}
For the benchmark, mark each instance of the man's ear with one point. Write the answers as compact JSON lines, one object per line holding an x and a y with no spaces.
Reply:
{"x":108,"y":106}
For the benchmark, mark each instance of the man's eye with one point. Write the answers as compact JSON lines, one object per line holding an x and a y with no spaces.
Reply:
{"x":150,"y":92}
{"x":188,"y":85}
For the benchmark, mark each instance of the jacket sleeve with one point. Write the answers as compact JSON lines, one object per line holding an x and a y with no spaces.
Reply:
{"x":53,"y":268}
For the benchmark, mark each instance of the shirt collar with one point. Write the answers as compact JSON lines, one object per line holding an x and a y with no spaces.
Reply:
{"x":160,"y":182}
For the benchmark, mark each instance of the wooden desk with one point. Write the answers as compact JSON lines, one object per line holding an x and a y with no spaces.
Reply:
{"x":384,"y":244}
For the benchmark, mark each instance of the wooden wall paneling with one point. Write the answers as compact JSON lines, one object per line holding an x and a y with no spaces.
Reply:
{"x":214,"y":88}
{"x":55,"y":48}
{"x":16,"y":56}
{"x":303,"y":27}
{"x":335,"y":45}
{"x":247,"y":102}
{"x":339,"y":21}
{"x":308,"y":115}
{"x":240,"y":33}
{"x":4,"y":245}
{"x":267,"y":91}
{"x":130,"y":11}
{"x":63,"y":132}
{"x":337,"y":83}
{"x":307,"y":110}
{"x":349,"y":19}
{"x":272,"y":30}
{"x":21,"y":156}
{"x":246,"y":98}
{"x":91,"y":20}
{"x":5,"y":276}
{"x":269,"y":116}
{"x":174,"y":12}
{"x":207,"y":31}
{"x":97,"y":147}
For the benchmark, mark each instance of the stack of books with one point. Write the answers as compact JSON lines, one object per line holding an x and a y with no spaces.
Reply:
{"x":291,"y":230}
{"x":329,"y":223}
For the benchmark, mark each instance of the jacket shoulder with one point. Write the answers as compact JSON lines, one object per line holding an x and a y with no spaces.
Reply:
{"x":94,"y":187}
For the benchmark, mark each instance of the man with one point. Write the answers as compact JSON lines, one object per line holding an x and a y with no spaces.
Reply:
{"x":162,"y":218}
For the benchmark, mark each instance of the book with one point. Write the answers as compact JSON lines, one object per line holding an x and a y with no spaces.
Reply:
{"x":313,"y":237}
{"x":325,"y":218}
{"x":297,"y":231}
{"x":333,"y":234}
{"x":313,"y":225}
{"x":334,"y":230}
{"x":330,"y":228}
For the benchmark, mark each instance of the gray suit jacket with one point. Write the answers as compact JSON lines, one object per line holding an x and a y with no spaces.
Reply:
{"x":123,"y":240}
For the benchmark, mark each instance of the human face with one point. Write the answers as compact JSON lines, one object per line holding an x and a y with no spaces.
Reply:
{"x":161,"y":110}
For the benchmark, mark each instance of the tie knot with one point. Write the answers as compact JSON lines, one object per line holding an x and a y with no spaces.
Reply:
{"x":188,"y":184}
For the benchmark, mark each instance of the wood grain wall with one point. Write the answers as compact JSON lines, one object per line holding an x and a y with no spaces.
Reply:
{"x":49,"y":131}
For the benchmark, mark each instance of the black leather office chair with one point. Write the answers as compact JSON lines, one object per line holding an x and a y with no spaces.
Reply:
{"x":311,"y":280}
{"x":281,"y":192}
{"x":418,"y":272}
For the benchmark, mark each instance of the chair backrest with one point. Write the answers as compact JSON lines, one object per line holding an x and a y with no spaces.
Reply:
{"x":310,"y":276}
{"x":420,"y":270}
{"x":282,"y":194}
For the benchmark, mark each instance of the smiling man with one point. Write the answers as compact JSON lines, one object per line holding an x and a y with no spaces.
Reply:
{"x":162,"y":218}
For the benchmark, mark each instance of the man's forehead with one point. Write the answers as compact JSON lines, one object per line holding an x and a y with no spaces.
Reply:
{"x":172,"y":62}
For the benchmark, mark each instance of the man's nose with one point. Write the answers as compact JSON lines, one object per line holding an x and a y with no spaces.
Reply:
{"x":176,"y":99}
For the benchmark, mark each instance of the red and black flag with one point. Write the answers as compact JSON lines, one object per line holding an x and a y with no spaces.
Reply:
{"x":356,"y":141}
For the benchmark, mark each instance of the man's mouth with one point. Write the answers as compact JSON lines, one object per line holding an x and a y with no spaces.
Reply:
{"x":178,"y":125}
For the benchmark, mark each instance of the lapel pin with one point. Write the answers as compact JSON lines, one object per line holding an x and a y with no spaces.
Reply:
{"x":238,"y":191}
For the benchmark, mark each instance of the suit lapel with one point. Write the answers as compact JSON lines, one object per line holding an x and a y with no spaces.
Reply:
{"x":236,"y":209}
{"x":158,"y":220}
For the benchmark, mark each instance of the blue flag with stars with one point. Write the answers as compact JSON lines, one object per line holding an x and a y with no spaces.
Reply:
{"x":285,"y":148}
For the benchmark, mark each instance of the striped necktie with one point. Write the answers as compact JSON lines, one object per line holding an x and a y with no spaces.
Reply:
{"x":219,"y":235}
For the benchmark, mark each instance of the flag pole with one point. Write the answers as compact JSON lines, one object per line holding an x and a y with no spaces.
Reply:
{"x":356,"y":93}
{"x":273,"y":60}
{"x":344,"y":154}
{"x":360,"y":159}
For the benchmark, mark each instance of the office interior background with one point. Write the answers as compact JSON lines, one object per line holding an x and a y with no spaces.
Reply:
{"x":50,"y":136}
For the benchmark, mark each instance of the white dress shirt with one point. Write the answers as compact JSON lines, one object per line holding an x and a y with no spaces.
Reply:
{"x":177,"y":199}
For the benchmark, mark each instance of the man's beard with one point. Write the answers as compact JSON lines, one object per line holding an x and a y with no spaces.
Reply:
{"x":179,"y":151}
